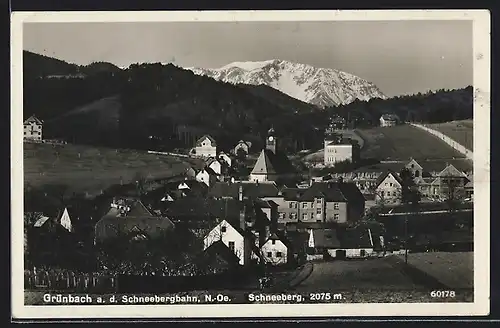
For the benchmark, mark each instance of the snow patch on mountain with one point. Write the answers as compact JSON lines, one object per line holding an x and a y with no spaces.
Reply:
{"x":319,"y":86}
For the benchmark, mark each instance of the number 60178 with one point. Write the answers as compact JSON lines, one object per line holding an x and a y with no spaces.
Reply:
{"x":443,"y":293}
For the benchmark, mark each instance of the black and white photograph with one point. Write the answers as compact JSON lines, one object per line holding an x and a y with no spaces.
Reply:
{"x":250,"y":164}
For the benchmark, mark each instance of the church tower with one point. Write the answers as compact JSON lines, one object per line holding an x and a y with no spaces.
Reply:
{"x":271,"y":140}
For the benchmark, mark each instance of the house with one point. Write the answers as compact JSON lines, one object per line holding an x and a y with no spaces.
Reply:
{"x":321,"y":242}
{"x":389,"y":120}
{"x":242,"y":148}
{"x":33,"y":128}
{"x":206,"y":146}
{"x":340,"y":149}
{"x":330,"y":201}
{"x":239,"y":240}
{"x":225,"y":158}
{"x":415,"y":168}
{"x":341,"y":243}
{"x":215,"y":164}
{"x":275,"y":250}
{"x":207,"y":176}
{"x":219,"y":257}
{"x":388,"y":188}
{"x":450,"y":179}
{"x":272,"y":164}
{"x":130,"y":218}
{"x":469,"y":189}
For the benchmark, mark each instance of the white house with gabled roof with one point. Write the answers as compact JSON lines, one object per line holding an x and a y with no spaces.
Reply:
{"x":33,"y":128}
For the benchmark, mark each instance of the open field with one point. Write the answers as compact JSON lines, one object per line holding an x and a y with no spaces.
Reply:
{"x":455,"y":270}
{"x":402,"y":142}
{"x":373,"y":280}
{"x":90,"y":169}
{"x":460,"y":131}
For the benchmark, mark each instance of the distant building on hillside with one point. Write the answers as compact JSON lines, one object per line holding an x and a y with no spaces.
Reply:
{"x":242,"y":147}
{"x":389,"y":120}
{"x":33,"y":128}
{"x":206,"y":146}
{"x":339,"y":149}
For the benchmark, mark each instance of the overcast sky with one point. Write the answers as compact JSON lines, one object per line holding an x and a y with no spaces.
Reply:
{"x":400,"y":57}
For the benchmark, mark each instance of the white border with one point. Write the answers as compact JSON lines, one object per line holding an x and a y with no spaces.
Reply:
{"x":481,"y":43}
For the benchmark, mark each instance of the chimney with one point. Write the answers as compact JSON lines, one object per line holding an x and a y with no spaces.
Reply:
{"x":242,"y":217}
{"x":240,"y":193}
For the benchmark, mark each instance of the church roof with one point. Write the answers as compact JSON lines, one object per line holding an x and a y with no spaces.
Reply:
{"x":263,"y":164}
{"x":270,"y":162}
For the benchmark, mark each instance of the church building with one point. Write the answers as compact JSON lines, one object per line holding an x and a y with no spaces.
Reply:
{"x":272,"y":164}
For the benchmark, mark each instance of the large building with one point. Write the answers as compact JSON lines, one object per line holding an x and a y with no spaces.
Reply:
{"x":272,"y":164}
{"x":33,"y":128}
{"x":339,"y":149}
{"x":338,"y":202}
{"x":206,"y":146}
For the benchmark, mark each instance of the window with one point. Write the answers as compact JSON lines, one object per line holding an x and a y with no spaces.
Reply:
{"x":290,"y":205}
{"x":231,"y":246}
{"x":336,"y":217}
{"x":304,"y":205}
{"x":304,"y":216}
{"x":318,"y":210}
{"x":279,"y":254}
{"x":281,"y":216}
{"x":223,"y":229}
{"x":319,"y":220}
{"x":363,"y":252}
{"x":391,"y":184}
{"x":312,"y":216}
{"x":413,"y":165}
{"x":335,"y":206}
{"x":417,"y":173}
{"x":269,"y":254}
{"x":25,"y":133}
{"x":273,"y":242}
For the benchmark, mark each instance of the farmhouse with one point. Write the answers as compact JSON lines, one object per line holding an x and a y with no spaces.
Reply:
{"x":129,"y":217}
{"x":340,"y":243}
{"x":339,"y":149}
{"x":322,"y":202}
{"x":389,"y":120}
{"x":388,"y":188}
{"x":206,"y":146}
{"x":275,"y":250}
{"x":33,"y":128}
{"x":223,"y":157}
{"x":207,"y":176}
{"x":272,"y":164}
{"x":242,"y":148}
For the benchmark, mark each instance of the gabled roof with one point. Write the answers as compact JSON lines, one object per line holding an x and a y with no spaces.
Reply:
{"x":250,"y":190}
{"x":41,"y":221}
{"x":414,"y":162}
{"x":278,"y":235}
{"x":206,"y":136}
{"x":451,"y":171}
{"x":263,"y":164}
{"x":385,"y":175}
{"x":330,"y":191}
{"x":356,"y":238}
{"x":270,"y":162}
{"x":33,"y":119}
{"x":112,"y":226}
{"x":390,"y":117}
{"x":325,"y":238}
{"x":219,"y":254}
{"x":208,"y":170}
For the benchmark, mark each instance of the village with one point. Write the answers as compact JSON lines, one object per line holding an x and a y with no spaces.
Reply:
{"x":214,"y":219}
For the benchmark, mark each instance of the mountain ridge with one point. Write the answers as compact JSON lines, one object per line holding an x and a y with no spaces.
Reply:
{"x":323,"y":87}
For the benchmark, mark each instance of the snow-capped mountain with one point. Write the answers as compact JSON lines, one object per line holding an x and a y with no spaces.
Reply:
{"x":319,"y":86}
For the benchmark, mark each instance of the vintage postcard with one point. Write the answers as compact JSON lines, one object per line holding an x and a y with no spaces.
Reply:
{"x":250,"y":164}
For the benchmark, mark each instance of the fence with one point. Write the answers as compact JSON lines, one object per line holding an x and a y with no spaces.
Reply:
{"x":69,"y":280}
{"x":452,"y":143}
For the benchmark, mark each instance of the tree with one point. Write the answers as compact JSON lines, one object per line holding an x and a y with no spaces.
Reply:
{"x":410,"y":198}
